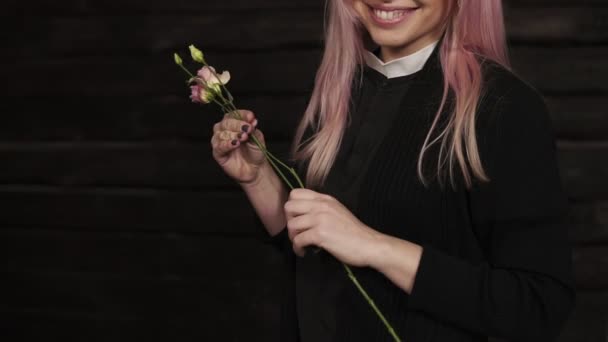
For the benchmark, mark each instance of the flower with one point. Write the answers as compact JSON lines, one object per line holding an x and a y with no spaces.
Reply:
{"x":197,"y":55}
{"x":208,"y":85}
{"x":201,"y":95}
{"x":208,"y":75}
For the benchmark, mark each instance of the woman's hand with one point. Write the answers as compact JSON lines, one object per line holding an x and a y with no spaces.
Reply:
{"x":318,"y":219}
{"x":241,"y":161}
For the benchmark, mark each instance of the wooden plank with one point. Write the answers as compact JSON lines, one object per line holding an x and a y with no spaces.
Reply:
{"x":570,"y":70}
{"x":583,"y":166}
{"x":588,"y":222}
{"x":213,"y":307}
{"x":179,"y":255}
{"x":141,"y":254}
{"x":35,"y":325}
{"x":175,"y":118}
{"x":145,"y":7}
{"x":579,"y":117}
{"x":165,"y":165}
{"x":591,"y":267}
{"x":128,"y":210}
{"x":57,"y":36}
{"x":160,"y":33}
{"x":168,"y":118}
{"x":581,"y":24}
{"x":269,"y":72}
{"x":584,"y":169}
{"x":276,"y":72}
{"x":201,"y":212}
{"x":589,"y":318}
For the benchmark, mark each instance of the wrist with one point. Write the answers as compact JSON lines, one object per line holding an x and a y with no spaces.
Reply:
{"x":260,"y":179}
{"x":379,"y":246}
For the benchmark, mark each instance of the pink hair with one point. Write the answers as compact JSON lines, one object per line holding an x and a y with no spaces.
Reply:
{"x":473,"y":29}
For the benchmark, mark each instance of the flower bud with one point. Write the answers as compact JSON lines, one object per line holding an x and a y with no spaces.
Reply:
{"x":197,"y":55}
{"x":178,"y":59}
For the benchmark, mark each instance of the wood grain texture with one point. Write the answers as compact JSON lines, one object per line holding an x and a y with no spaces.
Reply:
{"x":116,"y":223}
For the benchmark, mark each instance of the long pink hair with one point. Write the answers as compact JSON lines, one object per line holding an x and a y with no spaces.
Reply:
{"x":473,"y":28}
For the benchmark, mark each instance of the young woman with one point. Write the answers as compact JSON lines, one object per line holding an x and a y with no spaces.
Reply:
{"x":430,"y":169}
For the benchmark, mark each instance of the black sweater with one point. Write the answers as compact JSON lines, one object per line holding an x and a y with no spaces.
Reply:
{"x":496,"y":258}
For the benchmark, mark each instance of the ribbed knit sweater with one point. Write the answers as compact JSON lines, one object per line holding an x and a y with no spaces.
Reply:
{"x":496,"y":258}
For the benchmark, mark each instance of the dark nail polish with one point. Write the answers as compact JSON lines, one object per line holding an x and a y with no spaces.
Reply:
{"x":244,"y":128}
{"x":234,"y":142}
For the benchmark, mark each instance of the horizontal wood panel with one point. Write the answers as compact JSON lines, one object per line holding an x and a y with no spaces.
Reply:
{"x":588,"y":222}
{"x":181,"y":256}
{"x":276,"y":72}
{"x":579,"y":117}
{"x":591,"y":268}
{"x":112,"y":35}
{"x":175,"y":118}
{"x":143,"y":255}
{"x":168,"y":118}
{"x":254,"y":72}
{"x":583,"y":166}
{"x":164,"y":302}
{"x":140,"y":210}
{"x":227,"y":213}
{"x":72,"y":36}
{"x":581,"y":24}
{"x":584,"y":169}
{"x":35,"y":325}
{"x":160,"y":165}
{"x":589,"y":319}
{"x":143,"y":7}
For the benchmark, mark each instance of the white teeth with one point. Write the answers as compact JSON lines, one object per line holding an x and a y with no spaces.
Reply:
{"x":388,"y":15}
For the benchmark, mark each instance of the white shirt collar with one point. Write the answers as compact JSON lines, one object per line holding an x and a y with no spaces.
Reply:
{"x":401,"y":66}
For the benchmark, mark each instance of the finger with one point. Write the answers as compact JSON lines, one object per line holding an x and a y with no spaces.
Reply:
{"x":303,"y":240}
{"x":235,"y":125}
{"x":303,"y":193}
{"x":297,"y":224}
{"x":298,"y":207}
{"x":229,"y":135}
{"x":243,"y":114}
{"x":258,"y":135}
{"x":223,"y":147}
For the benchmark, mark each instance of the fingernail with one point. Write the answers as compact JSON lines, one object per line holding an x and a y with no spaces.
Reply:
{"x":234,"y":142}
{"x":244,"y":128}
{"x":255,"y":122}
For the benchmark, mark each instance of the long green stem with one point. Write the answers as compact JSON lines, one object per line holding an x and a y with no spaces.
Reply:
{"x":371,"y":303}
{"x":227,"y":106}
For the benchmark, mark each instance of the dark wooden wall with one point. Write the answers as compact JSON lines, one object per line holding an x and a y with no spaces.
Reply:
{"x":115,"y":222}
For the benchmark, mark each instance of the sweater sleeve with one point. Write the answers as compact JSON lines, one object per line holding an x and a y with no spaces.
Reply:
{"x":524,"y":289}
{"x":281,"y":240}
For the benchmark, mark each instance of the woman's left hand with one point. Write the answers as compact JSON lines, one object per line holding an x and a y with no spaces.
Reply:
{"x":319,"y":219}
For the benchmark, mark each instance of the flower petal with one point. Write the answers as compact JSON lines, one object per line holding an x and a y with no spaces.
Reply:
{"x":225,"y":77}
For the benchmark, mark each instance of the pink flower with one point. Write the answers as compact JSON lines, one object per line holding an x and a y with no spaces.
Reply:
{"x":207,"y":74}
{"x":208,"y":86}
{"x":201,"y":95}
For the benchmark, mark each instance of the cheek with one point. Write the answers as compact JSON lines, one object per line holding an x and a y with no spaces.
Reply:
{"x":360,"y":9}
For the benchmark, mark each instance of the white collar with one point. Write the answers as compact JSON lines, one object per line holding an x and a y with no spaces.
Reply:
{"x":401,"y":66}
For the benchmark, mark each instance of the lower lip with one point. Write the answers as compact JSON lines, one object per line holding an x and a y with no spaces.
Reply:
{"x":390,"y":23}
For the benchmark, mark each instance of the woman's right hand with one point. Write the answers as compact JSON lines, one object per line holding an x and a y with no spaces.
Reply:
{"x":234,"y":149}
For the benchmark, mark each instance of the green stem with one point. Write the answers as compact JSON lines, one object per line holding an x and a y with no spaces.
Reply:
{"x":228,"y":104}
{"x":371,"y":303}
{"x":186,"y":70}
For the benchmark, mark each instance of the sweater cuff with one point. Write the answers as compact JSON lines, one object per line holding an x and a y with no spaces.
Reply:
{"x":280,"y":240}
{"x":432,"y":282}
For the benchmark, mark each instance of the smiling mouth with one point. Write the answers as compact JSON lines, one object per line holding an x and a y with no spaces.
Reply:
{"x":384,"y":15}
